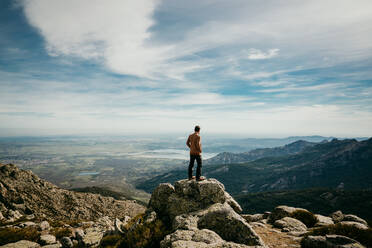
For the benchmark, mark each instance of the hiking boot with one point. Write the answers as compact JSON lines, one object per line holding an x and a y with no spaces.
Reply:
{"x":193,"y":177}
{"x":200,"y":179}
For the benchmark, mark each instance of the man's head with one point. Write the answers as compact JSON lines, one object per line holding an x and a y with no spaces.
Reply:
{"x":197,"y":129}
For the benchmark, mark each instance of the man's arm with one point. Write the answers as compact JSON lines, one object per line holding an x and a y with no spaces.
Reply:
{"x":199,"y":144}
{"x":188,"y":142}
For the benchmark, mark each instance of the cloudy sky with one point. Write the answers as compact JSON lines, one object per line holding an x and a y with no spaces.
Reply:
{"x":250,"y":67}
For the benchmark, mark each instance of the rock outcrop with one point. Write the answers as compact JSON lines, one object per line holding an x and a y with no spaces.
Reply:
{"x":330,"y":241}
{"x":288,"y":224}
{"x":28,"y":202}
{"x":22,"y":244}
{"x":283,"y":211}
{"x":22,"y":192}
{"x":323,"y":220}
{"x":202,"y":214}
{"x":354,"y":218}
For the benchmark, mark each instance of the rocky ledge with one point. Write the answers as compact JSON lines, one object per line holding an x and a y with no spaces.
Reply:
{"x":202,"y":214}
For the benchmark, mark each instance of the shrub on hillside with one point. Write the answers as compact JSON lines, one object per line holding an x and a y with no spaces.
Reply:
{"x":110,"y":241}
{"x":61,"y":223}
{"x":305,"y":217}
{"x":61,"y":232}
{"x":11,"y":234}
{"x":143,"y":235}
{"x":362,"y":236}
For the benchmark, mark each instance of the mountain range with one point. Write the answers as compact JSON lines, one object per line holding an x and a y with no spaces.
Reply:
{"x":231,"y":158}
{"x":344,"y":164}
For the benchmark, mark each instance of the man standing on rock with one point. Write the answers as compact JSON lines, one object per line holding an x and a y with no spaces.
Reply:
{"x":194,"y":143}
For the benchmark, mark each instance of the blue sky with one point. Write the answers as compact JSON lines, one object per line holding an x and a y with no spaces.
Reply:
{"x":254,"y":68}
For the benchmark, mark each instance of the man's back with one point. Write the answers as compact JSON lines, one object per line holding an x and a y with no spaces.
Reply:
{"x":193,"y":142}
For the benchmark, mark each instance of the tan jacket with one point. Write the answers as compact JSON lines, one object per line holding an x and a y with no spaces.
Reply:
{"x":194,"y":143}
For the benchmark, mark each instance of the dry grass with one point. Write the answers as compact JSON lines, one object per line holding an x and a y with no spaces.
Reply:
{"x":276,"y":239}
{"x":60,"y":232}
{"x":11,"y":234}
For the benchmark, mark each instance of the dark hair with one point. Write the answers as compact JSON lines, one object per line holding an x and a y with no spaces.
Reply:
{"x":197,"y":128}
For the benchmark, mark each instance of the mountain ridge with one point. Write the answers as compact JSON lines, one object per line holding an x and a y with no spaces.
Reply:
{"x":288,"y":149}
{"x":338,"y":163}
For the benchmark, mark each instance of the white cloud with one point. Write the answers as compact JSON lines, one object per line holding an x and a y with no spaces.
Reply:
{"x":254,"y":54}
{"x":270,"y":83}
{"x":205,"y":99}
{"x":117,"y":32}
{"x":113,"y":32}
{"x":305,"y":88}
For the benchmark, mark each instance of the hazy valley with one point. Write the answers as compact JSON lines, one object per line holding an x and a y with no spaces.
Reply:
{"x":119,"y":163}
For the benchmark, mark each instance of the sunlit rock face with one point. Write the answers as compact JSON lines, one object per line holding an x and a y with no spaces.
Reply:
{"x":202,"y":214}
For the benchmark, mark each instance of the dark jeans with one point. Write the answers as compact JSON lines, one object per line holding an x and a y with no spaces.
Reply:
{"x":191,"y":165}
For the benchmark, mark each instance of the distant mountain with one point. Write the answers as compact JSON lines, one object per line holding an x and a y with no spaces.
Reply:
{"x":339,"y":163}
{"x":230,"y":158}
{"x":240,"y":145}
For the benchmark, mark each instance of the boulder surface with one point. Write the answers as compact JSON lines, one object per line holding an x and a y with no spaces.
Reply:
{"x":202,"y":214}
{"x":330,"y":241}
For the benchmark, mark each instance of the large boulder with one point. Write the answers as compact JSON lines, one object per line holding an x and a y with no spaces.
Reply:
{"x":44,"y":225}
{"x":198,"y":239}
{"x":56,"y":245}
{"x":92,"y":237}
{"x":354,"y":218}
{"x":253,"y":217}
{"x":357,"y":225}
{"x":66,"y":242}
{"x":191,"y":238}
{"x":281,"y":212}
{"x":329,"y":241}
{"x":288,"y":224}
{"x":222,"y":219}
{"x":47,"y":239}
{"x":21,"y":244}
{"x":188,"y":196}
{"x":202,"y":214}
{"x":323,"y":220}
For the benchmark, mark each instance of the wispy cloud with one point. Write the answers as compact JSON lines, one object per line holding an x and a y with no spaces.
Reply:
{"x":254,"y":54}
{"x":309,"y":88}
{"x":122,"y":36}
{"x":251,"y":66}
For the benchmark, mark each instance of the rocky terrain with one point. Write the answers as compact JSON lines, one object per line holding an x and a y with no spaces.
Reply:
{"x":203,"y":214}
{"x":36,"y":209}
{"x":26,"y":193}
{"x":35,"y":213}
